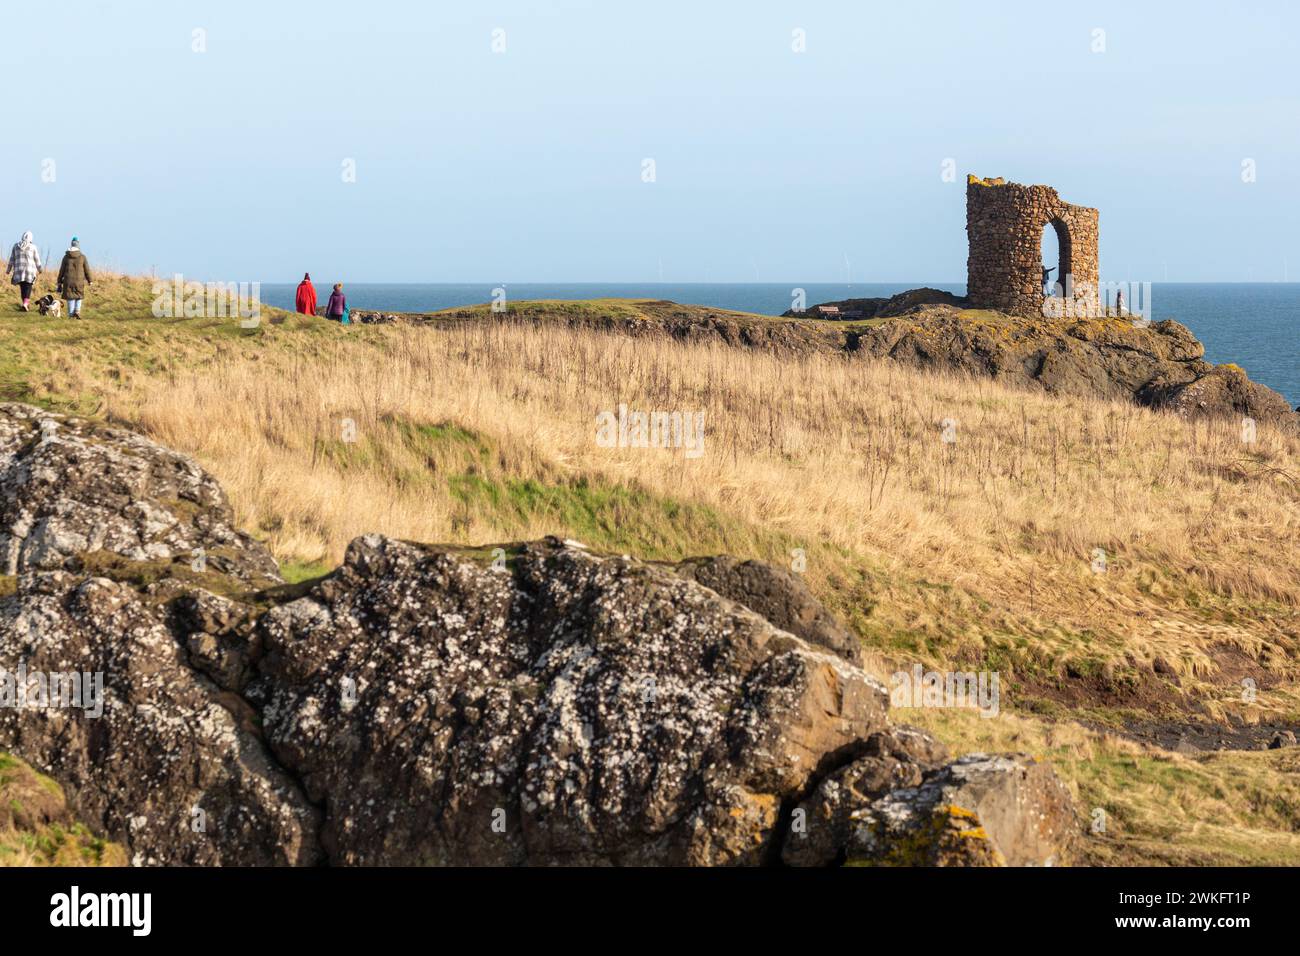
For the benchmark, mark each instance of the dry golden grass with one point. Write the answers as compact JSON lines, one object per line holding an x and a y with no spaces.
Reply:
{"x":974,"y":553}
{"x":842,"y":458}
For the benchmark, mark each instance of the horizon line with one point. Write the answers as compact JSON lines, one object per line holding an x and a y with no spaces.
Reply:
{"x":737,"y":282}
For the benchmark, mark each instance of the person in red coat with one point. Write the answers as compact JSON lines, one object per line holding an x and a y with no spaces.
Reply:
{"x":305,"y":302}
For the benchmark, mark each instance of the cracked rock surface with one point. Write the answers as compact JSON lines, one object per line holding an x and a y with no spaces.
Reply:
{"x":571,"y":708}
{"x":172,"y":766}
{"x":71,"y":488}
{"x":979,"y":810}
{"x":430,"y":704}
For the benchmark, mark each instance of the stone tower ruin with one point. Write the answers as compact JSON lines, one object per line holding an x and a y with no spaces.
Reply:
{"x":1004,"y":225}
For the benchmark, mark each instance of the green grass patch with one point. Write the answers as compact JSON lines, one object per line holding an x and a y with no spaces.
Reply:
{"x":610,"y":517}
{"x":296,"y":572}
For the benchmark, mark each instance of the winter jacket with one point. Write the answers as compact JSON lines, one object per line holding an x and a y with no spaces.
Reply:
{"x":24,"y":261}
{"x":306,"y":298}
{"x":338,"y":304}
{"x":74,"y":275}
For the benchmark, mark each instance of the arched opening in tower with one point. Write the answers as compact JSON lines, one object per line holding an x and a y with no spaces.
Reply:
{"x":1055,"y":257}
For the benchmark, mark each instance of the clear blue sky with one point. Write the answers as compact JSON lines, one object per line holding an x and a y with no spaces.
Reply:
{"x":527,"y":165}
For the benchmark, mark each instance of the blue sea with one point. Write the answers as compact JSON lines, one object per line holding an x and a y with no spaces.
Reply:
{"x":1254,"y":324}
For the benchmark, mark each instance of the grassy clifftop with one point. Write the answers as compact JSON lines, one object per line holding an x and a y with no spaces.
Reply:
{"x":950,"y":520}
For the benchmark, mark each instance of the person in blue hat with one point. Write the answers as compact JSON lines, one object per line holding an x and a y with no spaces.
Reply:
{"x":74,"y":277}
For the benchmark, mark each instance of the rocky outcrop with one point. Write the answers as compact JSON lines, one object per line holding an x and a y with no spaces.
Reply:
{"x":1222,"y":390}
{"x":822,"y":826}
{"x":692,"y":324}
{"x":376,"y":318}
{"x":980,"y":810}
{"x":571,"y":709}
{"x":428,"y":704}
{"x":100,"y":528}
{"x":155,"y":756}
{"x":1156,"y":364}
{"x":72,"y":490}
{"x":877,"y":307}
{"x":775,"y":594}
{"x":897,"y":806}
{"x":1160,"y":364}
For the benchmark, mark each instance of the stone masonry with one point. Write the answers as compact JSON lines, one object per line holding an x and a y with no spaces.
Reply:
{"x":1004,"y":225}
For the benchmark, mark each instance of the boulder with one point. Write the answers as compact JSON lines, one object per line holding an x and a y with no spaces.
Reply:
{"x":571,"y":709}
{"x":163,"y":750}
{"x":777,"y":595}
{"x":73,"y":491}
{"x":156,"y":756}
{"x":980,"y":810}
{"x":219,"y":634}
{"x":434,"y":704}
{"x":821,"y":826}
{"x":1223,"y":391}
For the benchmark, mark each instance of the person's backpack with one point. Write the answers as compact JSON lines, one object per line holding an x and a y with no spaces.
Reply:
{"x":346,"y":317}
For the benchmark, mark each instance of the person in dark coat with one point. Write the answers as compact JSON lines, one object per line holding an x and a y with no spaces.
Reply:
{"x":338,"y":304}
{"x":74,"y":276}
{"x":305,"y":301}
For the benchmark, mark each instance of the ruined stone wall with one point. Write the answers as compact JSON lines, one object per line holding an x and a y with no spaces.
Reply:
{"x":1004,"y":225}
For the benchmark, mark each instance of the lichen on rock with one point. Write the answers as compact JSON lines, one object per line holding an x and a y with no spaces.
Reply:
{"x":424,"y":704}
